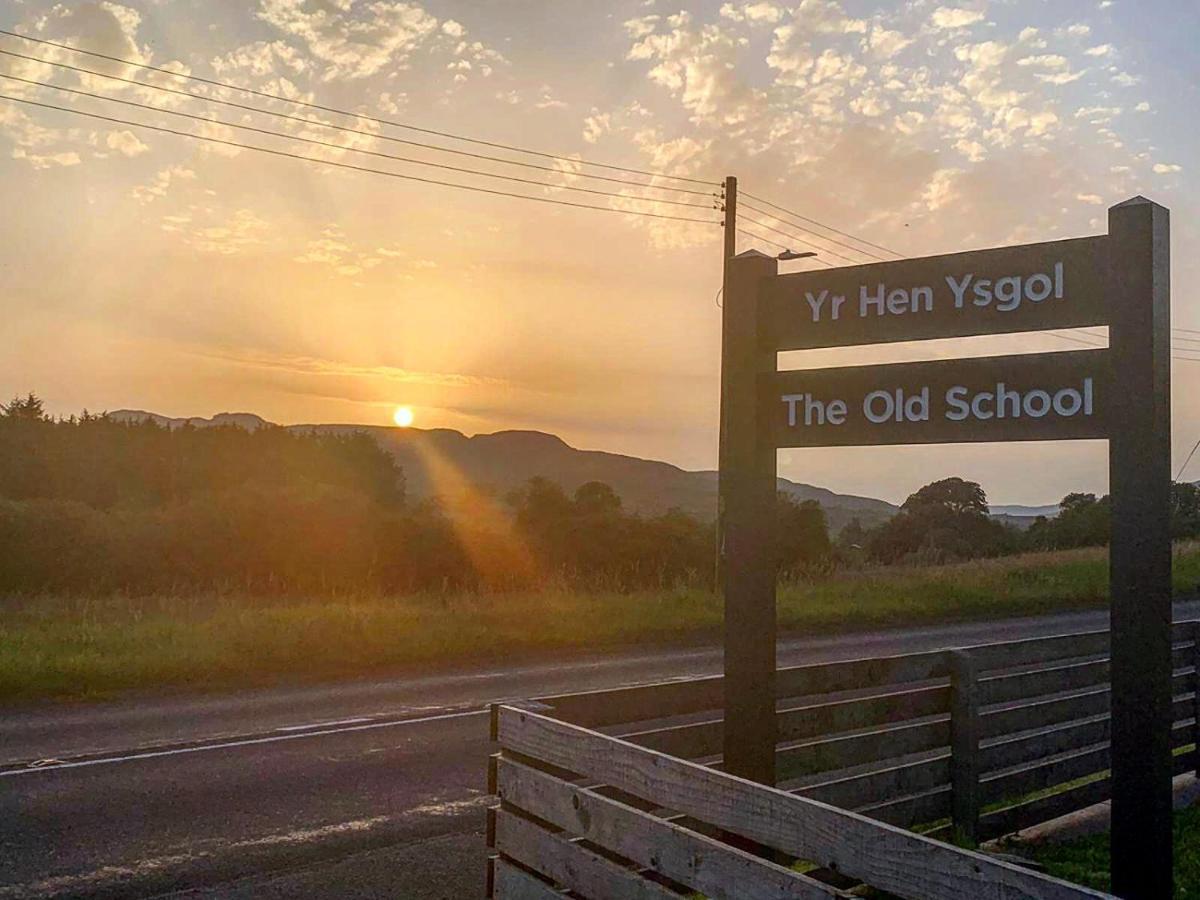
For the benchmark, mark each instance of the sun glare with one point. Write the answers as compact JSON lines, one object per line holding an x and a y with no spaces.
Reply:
{"x":403,"y":416}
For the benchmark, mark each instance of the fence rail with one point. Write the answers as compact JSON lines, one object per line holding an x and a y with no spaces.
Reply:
{"x":974,"y":742}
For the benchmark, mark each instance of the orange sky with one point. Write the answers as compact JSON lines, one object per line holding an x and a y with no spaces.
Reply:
{"x":144,"y":270}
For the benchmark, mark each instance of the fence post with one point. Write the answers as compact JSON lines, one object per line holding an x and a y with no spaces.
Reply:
{"x":1196,"y":698}
{"x":964,"y":746}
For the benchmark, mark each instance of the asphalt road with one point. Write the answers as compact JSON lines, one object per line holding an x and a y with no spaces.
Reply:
{"x":353,"y":790}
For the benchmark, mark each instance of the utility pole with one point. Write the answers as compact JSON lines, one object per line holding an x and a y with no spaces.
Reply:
{"x":746,"y":516}
{"x":728,"y":251}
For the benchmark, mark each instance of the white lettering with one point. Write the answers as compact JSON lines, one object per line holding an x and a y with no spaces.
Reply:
{"x":1008,"y":293}
{"x":959,"y":410}
{"x":791,"y":400}
{"x":959,"y":290}
{"x":1038,"y":288}
{"x":865,"y":300}
{"x":836,"y":411}
{"x":1038,"y":409}
{"x":815,"y":303}
{"x":869,"y":404}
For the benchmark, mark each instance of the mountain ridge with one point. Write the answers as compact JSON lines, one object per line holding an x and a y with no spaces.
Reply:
{"x":439,"y":459}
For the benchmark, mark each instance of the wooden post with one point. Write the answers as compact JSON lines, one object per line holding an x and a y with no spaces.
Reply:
{"x":1196,"y":698}
{"x":729,"y":197}
{"x":1140,"y":558}
{"x":964,"y":747}
{"x":745,"y":527}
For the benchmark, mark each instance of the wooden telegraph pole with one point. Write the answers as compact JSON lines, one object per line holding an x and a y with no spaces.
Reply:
{"x":1140,"y":560}
{"x":746,"y":515}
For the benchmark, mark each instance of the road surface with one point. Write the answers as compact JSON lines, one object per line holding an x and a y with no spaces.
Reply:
{"x":352,"y":790}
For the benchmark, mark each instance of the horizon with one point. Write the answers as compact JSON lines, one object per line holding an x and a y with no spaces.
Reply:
{"x":896,"y":500}
{"x":174,"y":273}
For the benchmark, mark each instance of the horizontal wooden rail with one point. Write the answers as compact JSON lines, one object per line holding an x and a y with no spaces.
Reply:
{"x":874,"y":735}
{"x":881,"y":855}
{"x":816,"y":719}
{"x":864,"y":788}
{"x":715,"y":869}
{"x":843,"y":751}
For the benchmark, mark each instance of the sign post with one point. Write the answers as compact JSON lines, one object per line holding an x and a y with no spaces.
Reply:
{"x":1120,"y":280}
{"x":1140,"y":557}
{"x":745,"y":525}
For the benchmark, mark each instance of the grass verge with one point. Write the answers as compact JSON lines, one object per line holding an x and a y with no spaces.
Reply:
{"x":1086,"y":860}
{"x":55,"y":647}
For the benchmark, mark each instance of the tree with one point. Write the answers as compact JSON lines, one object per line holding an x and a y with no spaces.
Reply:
{"x":802,"y":535}
{"x":943,"y":521}
{"x":949,"y":497}
{"x":27,"y":409}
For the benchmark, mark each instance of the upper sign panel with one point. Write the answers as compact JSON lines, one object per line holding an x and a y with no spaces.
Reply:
{"x":1034,"y":287}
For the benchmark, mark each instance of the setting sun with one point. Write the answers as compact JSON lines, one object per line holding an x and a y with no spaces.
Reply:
{"x":403,"y":416}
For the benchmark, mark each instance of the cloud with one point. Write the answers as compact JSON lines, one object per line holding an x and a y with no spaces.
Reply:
{"x":126,"y":143}
{"x":752,"y":12}
{"x":1166,"y":168}
{"x":947,"y":17}
{"x":353,"y":39}
{"x":161,"y":183}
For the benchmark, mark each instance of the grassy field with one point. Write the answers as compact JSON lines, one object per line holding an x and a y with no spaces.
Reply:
{"x":1086,"y":860}
{"x":78,"y":647}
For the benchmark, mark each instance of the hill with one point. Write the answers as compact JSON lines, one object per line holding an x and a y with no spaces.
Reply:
{"x":441,"y":460}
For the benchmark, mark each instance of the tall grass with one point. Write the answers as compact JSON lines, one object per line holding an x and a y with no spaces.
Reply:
{"x":62,"y":646}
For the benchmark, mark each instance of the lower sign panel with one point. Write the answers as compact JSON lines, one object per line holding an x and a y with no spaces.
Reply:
{"x":1044,"y":397}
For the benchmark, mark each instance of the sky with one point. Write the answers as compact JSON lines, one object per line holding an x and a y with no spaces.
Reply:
{"x":146,"y":270}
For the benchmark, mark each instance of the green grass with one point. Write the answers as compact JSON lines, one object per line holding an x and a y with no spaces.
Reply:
{"x":79,"y":647}
{"x":1086,"y":860}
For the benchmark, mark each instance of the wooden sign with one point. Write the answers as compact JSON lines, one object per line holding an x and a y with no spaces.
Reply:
{"x":1047,"y":397}
{"x":1034,"y":287}
{"x":1120,"y":280}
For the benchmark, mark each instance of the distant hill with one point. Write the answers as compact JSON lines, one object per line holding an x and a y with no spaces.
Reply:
{"x":249,"y":421}
{"x":1023,"y":512}
{"x":435,"y":460}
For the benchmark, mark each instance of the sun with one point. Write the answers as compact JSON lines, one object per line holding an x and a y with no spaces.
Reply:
{"x":403,"y":416}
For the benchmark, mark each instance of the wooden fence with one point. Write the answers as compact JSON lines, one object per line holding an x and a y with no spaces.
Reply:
{"x":975,"y":742}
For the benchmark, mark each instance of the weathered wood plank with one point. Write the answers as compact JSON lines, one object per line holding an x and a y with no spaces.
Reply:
{"x":861,"y":789}
{"x":817,"y":719}
{"x":1011,"y":654}
{"x":1034,"y":812}
{"x":885,"y":857}
{"x":689,"y":741}
{"x":853,"y":674}
{"x":1040,"y":713}
{"x":912,"y":809}
{"x":702,"y":863}
{"x":639,"y":703}
{"x":570,"y":864}
{"x":874,"y":745}
{"x":512,"y":883}
{"x":1006,"y":687}
{"x":1061,"y":769}
{"x":1007,"y":752}
{"x":965,"y":735}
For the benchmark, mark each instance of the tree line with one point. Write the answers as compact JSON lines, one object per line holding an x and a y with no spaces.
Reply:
{"x":88,"y":504}
{"x":91,"y":504}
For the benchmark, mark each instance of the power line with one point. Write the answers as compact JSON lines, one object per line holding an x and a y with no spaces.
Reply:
{"x":1188,"y":460}
{"x":341,"y":112}
{"x":344,"y":128}
{"x":342,"y":147}
{"x":799,"y":240}
{"x":342,"y":165}
{"x":812,"y":221}
{"x":823,"y":237}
